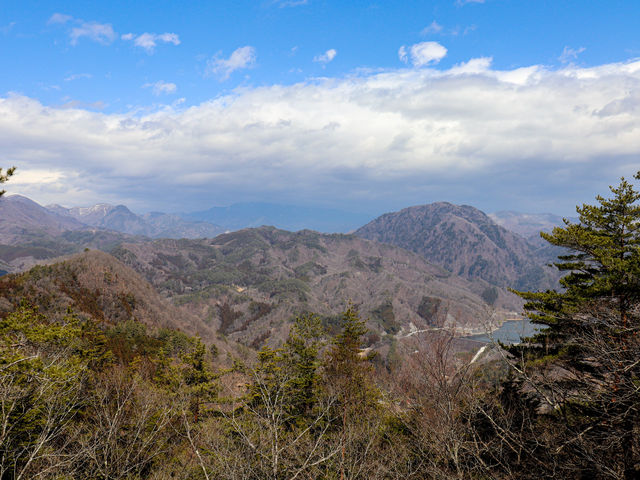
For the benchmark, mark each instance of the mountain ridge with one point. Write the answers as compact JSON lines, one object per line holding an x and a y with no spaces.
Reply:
{"x":465,"y":241}
{"x":153,"y":225}
{"x":249,"y":283}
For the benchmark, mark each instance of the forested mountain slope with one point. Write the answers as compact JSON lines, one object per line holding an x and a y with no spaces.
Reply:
{"x":466,"y":242}
{"x":249,"y":284}
{"x":96,"y":285}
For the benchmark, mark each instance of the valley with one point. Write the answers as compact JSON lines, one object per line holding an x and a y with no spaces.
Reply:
{"x":440,"y":266}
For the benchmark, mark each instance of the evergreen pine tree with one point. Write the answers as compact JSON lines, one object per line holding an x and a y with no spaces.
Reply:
{"x":604,"y":265}
{"x":5,"y":176}
{"x":200,"y":380}
{"x":348,"y":370}
{"x":291,"y":372}
{"x":582,"y":371}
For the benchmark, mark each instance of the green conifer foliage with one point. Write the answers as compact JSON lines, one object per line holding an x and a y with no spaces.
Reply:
{"x":290,"y":374}
{"x":201,"y":382}
{"x":581,"y":373}
{"x":604,"y":263}
{"x":5,"y":176}
{"x":348,"y":369}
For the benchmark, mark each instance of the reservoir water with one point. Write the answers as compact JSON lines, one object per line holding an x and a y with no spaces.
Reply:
{"x":510,"y":332}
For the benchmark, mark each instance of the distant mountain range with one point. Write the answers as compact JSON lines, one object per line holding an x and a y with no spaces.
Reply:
{"x":202,"y":224}
{"x":438,"y":265}
{"x":30,"y":233}
{"x":461,"y":239}
{"x":154,"y":225}
{"x":20,"y":216}
{"x":529,"y":225}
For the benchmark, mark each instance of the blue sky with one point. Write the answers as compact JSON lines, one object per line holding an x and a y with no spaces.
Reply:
{"x":368,"y":106}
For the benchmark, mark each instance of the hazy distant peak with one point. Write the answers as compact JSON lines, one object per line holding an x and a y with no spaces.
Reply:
{"x":97,"y":211}
{"x":22,"y":216}
{"x":98,"y":208}
{"x":119,"y":218}
{"x":528,"y":225}
{"x":15,"y":198}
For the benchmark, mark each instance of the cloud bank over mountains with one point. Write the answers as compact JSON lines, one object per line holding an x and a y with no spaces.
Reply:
{"x":385,"y":139}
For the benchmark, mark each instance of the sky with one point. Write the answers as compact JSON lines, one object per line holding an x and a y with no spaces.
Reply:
{"x":366,"y":106}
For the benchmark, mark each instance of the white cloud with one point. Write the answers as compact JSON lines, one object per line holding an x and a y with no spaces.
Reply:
{"x":469,"y":29}
{"x":422,"y":54}
{"x":98,"y":32}
{"x":241,"y":58}
{"x":149,"y":41}
{"x":461,"y":3}
{"x":77,"y":76}
{"x":473,"y":66}
{"x":570,"y":54}
{"x":49,"y":185}
{"x":59,"y":18}
{"x":161,"y":88}
{"x":433,"y":27}
{"x":36,"y":176}
{"x":326,"y":57}
{"x":402,"y":54}
{"x":77,"y":104}
{"x":406,"y":136}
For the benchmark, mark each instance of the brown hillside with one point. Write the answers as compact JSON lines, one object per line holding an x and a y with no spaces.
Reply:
{"x":250,"y":283}
{"x":94,"y":284}
{"x":466,"y":242}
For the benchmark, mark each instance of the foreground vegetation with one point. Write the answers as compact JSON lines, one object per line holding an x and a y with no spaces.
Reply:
{"x":87,"y":400}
